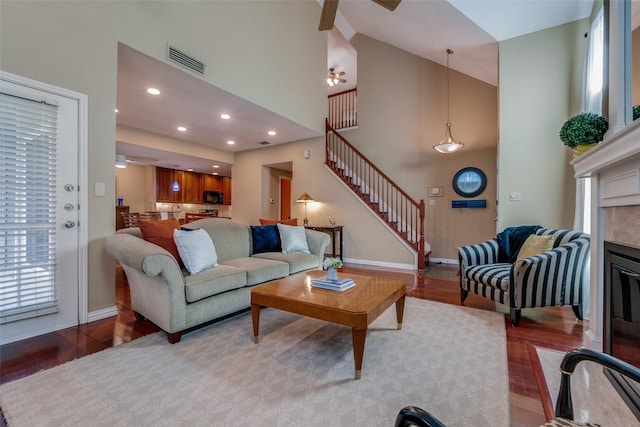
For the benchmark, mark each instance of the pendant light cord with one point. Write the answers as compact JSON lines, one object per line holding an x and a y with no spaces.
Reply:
{"x":449,"y":52}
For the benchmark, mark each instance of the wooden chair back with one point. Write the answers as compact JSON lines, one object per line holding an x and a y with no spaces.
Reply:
{"x":130,"y":219}
{"x":150,"y":215}
{"x":192,"y":216}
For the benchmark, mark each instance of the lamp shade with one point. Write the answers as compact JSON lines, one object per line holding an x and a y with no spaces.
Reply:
{"x":448,"y":144}
{"x":305,"y":198}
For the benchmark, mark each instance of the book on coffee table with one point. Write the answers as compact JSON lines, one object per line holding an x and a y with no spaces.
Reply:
{"x":337,"y":285}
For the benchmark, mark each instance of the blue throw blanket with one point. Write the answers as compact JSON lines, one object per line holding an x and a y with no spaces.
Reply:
{"x":511,"y":240}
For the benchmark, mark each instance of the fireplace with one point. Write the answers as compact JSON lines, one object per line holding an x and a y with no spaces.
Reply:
{"x":621,"y":323}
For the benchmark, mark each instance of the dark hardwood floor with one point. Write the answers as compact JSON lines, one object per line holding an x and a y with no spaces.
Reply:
{"x":554,"y":328}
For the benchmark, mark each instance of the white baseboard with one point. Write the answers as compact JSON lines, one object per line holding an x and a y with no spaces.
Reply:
{"x":102,"y":313}
{"x":379,"y":264}
{"x":443,"y":261}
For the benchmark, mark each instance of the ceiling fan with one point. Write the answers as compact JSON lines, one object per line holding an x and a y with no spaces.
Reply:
{"x":335,"y":78}
{"x":330,"y":7}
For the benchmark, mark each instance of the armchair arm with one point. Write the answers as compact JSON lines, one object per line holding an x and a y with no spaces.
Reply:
{"x":481,"y":253}
{"x":553,"y":277}
{"x":414,"y":416}
{"x":564,"y":406}
{"x":318,"y":242}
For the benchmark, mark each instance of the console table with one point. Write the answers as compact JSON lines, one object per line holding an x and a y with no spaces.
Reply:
{"x":331,"y":230}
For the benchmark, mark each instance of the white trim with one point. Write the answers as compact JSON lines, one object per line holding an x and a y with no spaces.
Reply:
{"x":6,"y":340}
{"x":443,"y":261}
{"x":379,"y":263}
{"x":103,"y":313}
{"x":83,"y":201}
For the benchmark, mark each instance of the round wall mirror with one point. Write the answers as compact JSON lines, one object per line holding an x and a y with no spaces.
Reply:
{"x":469,"y":182}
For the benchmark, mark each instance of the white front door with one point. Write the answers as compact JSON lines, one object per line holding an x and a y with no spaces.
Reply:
{"x":40,"y":238}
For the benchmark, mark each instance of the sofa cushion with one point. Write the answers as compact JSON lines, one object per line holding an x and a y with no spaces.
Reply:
{"x":196,"y":249}
{"x":297,"y":261}
{"x":265,"y":238}
{"x":213,"y":281}
{"x":232,"y":239}
{"x":494,"y":275}
{"x":293,"y":239}
{"x":535,"y":245}
{"x":260,"y":270}
{"x":160,"y":232}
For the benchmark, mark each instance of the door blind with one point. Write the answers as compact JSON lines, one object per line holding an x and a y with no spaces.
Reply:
{"x":27,"y":208}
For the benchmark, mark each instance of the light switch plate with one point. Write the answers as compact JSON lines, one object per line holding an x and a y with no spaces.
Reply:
{"x":99,"y":189}
{"x":515,"y":196}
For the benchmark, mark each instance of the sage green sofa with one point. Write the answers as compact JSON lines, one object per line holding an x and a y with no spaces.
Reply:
{"x":176,"y":301}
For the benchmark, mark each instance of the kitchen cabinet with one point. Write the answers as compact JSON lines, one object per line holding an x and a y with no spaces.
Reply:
{"x":212,"y":183}
{"x":226,"y":190}
{"x":164,"y":185}
{"x":192,"y":186}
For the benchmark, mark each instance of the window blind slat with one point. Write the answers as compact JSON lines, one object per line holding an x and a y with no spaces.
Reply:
{"x":28,"y":141}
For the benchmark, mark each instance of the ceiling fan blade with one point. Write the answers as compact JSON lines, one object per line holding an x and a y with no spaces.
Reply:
{"x":388,"y":4}
{"x":341,"y":73}
{"x":329,"y":9}
{"x":342,"y":80}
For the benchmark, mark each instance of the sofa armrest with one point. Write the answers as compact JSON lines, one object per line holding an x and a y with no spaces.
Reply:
{"x":318,"y":242}
{"x":554,"y":277}
{"x":478,"y":254}
{"x":145,"y":257}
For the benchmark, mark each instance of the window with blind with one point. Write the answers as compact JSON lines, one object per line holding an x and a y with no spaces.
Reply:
{"x":27,"y":208}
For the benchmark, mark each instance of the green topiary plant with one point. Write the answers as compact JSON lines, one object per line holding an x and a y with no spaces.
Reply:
{"x":636,"y":111}
{"x":583,"y":129}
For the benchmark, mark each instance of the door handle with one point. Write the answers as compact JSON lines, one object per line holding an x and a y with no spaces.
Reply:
{"x":69,"y":224}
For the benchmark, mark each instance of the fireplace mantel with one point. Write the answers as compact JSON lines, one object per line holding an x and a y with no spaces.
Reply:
{"x":614,"y":168}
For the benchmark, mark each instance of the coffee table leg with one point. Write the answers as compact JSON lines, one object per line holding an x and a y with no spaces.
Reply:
{"x":255,"y":317}
{"x":400,"y":311}
{"x":359,"y":337}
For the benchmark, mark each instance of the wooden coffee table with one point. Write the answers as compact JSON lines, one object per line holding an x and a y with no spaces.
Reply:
{"x":356,"y":307}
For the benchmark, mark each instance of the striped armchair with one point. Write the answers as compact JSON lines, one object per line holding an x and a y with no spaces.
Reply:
{"x":554,"y":277}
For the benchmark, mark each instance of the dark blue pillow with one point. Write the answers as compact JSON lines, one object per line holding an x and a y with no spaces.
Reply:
{"x":265,"y":239}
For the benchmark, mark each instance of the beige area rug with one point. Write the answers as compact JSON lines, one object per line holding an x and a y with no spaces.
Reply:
{"x":594,"y":398}
{"x":447,"y":359}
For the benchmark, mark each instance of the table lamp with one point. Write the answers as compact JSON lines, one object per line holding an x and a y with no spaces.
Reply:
{"x":305,"y":198}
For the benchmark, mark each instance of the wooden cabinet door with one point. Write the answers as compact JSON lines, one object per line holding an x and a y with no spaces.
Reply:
{"x":164,"y":181}
{"x":212,"y":183}
{"x":192,"y":183}
{"x":226,"y":189}
{"x":178,"y":196}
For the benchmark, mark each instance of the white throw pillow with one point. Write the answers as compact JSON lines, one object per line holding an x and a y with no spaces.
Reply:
{"x":293,"y":239}
{"x":196,"y":249}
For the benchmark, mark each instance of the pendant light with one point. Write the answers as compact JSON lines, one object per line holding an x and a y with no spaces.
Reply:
{"x":448,"y":144}
{"x":176,"y":185}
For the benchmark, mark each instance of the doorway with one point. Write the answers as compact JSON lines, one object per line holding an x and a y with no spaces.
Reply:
{"x":285,"y":198}
{"x":43,"y":281}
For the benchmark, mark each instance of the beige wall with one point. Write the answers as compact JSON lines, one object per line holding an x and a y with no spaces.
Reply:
{"x":247,"y":45}
{"x":402,"y":114}
{"x":133,"y":188}
{"x":540,"y":88}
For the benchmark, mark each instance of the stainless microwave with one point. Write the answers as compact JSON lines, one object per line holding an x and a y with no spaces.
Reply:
{"x":213,"y":197}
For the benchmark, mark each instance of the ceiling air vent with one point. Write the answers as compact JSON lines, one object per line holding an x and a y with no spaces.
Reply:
{"x":264,"y":142}
{"x":185,"y":60}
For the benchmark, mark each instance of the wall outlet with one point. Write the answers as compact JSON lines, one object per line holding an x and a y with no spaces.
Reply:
{"x":515,"y":196}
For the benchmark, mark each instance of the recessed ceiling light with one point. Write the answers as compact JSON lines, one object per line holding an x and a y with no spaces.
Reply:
{"x":216,"y":166}
{"x":189,"y":170}
{"x":272,"y":132}
{"x":153,"y":91}
{"x":182,"y":128}
{"x":231,"y":142}
{"x":225,"y":116}
{"x":116,"y":110}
